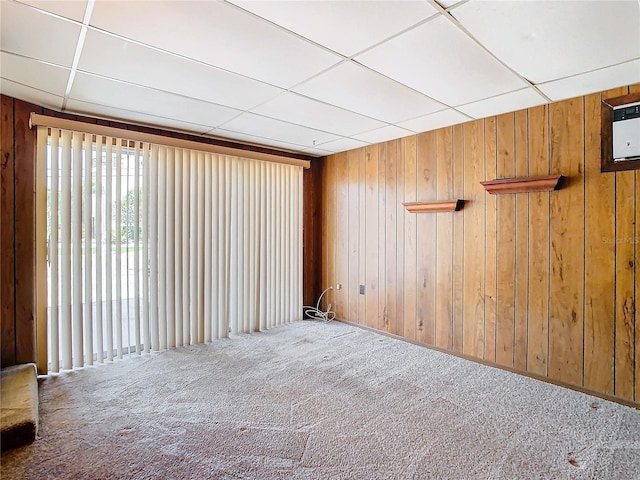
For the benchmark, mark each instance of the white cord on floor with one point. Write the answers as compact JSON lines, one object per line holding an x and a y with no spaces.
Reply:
{"x":315,"y":313}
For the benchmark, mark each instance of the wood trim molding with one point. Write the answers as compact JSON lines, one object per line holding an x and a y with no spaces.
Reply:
{"x":607,"y":163}
{"x":622,"y":100}
{"x":434,"y":206}
{"x":94,"y":129}
{"x":481,"y":361}
{"x":523,"y":184}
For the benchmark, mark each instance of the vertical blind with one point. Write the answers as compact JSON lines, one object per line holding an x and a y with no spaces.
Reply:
{"x":153,"y":247}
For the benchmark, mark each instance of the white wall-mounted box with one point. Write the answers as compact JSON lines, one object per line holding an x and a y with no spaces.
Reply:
{"x":626,"y":132}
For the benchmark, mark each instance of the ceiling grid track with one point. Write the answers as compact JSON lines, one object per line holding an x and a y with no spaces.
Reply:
{"x":76,"y":57}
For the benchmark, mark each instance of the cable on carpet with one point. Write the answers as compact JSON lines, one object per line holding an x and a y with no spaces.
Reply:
{"x":316,"y":313}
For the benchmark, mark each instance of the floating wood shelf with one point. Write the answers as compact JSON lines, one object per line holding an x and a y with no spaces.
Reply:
{"x":522,"y":184}
{"x":434,"y":206}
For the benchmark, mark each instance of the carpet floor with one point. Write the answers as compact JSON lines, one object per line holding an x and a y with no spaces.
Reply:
{"x":320,"y":401}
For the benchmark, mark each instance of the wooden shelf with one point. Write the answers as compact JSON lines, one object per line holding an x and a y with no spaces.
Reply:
{"x":434,"y":206}
{"x":522,"y":184}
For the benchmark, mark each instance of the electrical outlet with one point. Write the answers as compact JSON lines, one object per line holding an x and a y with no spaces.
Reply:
{"x":338,"y":286}
{"x":361,"y":289}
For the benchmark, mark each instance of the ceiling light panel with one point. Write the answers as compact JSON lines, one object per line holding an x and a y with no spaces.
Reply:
{"x":69,"y":9}
{"x":364,"y":91}
{"x":29,"y":94}
{"x":124,"y":60}
{"x":434,"y":121}
{"x":611,"y":77}
{"x":30,"y":33}
{"x":311,"y":113}
{"x":344,"y":27}
{"x":104,"y":91}
{"x":441,"y":61}
{"x":383,"y":134}
{"x":118,"y":114}
{"x":251,"y":124}
{"x":218,"y":34}
{"x":509,"y":102}
{"x":39,"y":75}
{"x":546,"y":40}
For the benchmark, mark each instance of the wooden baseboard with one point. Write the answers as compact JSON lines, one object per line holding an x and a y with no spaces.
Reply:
{"x":605,"y":396}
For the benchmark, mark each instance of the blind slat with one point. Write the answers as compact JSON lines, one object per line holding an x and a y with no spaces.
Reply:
{"x":54,"y":335}
{"x":99,"y":334}
{"x":178,"y":246}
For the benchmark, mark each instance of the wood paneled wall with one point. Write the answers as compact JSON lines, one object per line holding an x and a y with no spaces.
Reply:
{"x":17,"y":222}
{"x":17,"y":234}
{"x":542,"y":283}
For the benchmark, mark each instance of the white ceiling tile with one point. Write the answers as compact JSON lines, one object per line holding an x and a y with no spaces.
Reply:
{"x":73,"y":9}
{"x":128,"y":116}
{"x":228,"y":135}
{"x":304,"y":111}
{"x":546,"y":40}
{"x":42,"y":76}
{"x":219,"y":34}
{"x":251,"y":124}
{"x":342,"y":145}
{"x":27,"y":32}
{"x":346,"y":27}
{"x":124,"y":60}
{"x":509,"y":102}
{"x":619,"y":75}
{"x":447,"y":3}
{"x":441,"y":61}
{"x":434,"y":121}
{"x":103,"y":91}
{"x":317,"y":152}
{"x":29,"y":94}
{"x":383,"y":134}
{"x":361,"y":90}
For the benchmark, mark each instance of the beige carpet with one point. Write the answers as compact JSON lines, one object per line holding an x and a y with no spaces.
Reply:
{"x":320,"y":401}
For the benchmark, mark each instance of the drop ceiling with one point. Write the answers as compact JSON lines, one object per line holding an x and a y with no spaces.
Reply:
{"x":314,"y":77}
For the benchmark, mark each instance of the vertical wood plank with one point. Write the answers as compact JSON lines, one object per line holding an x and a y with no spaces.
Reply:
{"x":410,"y":239}
{"x":625,"y":284}
{"x":400,"y":216}
{"x":342,"y":235}
{"x":362,"y":240}
{"x":567,"y":243}
{"x":24,"y":145}
{"x":444,"y":243}
{"x":505,"y":327}
{"x":7,"y":219}
{"x":372,"y":233}
{"x":599,"y":311}
{"x":458,"y":238}
{"x":313,"y":248}
{"x":325,"y":238}
{"x":522,"y":244}
{"x":491,"y":259}
{"x":538,"y":325}
{"x":427,"y":238}
{"x":353,"y":233}
{"x":331,"y":228}
{"x":474,"y":239}
{"x":636,"y":89}
{"x":391,"y":250}
{"x":383,"y":319}
{"x":637,"y":287}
